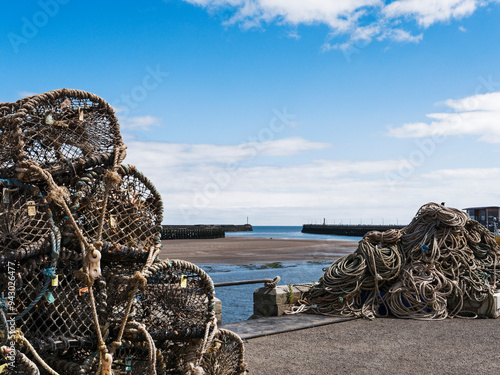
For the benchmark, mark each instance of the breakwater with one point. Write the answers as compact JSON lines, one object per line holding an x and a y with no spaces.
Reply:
{"x":237,"y":228}
{"x":346,"y":230}
{"x":187,"y":232}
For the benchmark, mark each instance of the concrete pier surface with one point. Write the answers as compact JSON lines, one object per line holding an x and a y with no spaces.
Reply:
{"x":383,"y":346}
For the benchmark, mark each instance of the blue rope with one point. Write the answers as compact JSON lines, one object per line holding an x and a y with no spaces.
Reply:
{"x":18,"y":184}
{"x":49,"y":273}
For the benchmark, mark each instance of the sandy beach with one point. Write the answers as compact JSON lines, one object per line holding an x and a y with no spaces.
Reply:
{"x":251,"y":250}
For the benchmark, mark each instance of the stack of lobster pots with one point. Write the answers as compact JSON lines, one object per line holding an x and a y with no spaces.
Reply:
{"x":82,"y":288}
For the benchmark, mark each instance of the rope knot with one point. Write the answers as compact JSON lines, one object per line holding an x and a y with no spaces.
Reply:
{"x":112,"y":178}
{"x":195,"y":370}
{"x":84,"y":277}
{"x":58,"y":194}
{"x":272,"y":284}
{"x":137,"y":281}
{"x":50,"y":273}
{"x":116,"y":344}
{"x":98,"y":245}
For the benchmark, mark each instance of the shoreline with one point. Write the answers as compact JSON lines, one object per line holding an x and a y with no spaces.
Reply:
{"x":254,"y":250}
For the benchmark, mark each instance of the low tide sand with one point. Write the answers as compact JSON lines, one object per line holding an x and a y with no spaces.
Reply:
{"x":245,"y":250}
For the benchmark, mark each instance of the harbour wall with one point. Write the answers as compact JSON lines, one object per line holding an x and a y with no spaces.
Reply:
{"x":186,"y":232}
{"x":346,"y":230}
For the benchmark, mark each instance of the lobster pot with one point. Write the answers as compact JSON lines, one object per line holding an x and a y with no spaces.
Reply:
{"x":132,"y":216}
{"x":60,"y":130}
{"x":177,"y":301}
{"x":225,"y":356}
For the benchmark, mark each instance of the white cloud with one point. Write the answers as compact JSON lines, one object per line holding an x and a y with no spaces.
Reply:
{"x":361,"y":20}
{"x":475,"y":115}
{"x":339,"y":15}
{"x":139,"y":122}
{"x":163,"y":154}
{"x":462,"y":29}
{"x":214,"y":192}
{"x":205,"y":183}
{"x":428,"y":12}
{"x":399,"y":35}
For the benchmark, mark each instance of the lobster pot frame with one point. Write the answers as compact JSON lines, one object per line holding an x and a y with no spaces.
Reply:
{"x":131,"y":358}
{"x":177,"y":302}
{"x":134,"y":211}
{"x":59,"y":130}
{"x":225,"y":356}
{"x":74,"y":361}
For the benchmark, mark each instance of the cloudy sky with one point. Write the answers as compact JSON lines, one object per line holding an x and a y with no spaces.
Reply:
{"x":282,"y":111}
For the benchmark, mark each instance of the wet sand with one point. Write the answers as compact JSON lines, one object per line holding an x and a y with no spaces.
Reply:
{"x":245,"y":250}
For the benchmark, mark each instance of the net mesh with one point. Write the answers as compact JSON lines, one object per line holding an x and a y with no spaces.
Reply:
{"x":25,"y":221}
{"x":64,"y":309}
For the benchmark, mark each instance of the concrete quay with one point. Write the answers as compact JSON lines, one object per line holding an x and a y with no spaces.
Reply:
{"x":382,"y":346}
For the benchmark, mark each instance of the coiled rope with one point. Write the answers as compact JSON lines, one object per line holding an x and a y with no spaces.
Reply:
{"x":430,"y":269}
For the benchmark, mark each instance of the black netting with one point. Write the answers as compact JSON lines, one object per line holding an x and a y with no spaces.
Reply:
{"x":64,"y":309}
{"x":25,"y":221}
{"x":177,"y":301}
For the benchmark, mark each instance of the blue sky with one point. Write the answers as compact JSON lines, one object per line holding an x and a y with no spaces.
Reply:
{"x":287,"y":112}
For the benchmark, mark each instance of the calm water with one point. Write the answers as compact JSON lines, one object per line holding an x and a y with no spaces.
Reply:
{"x":288,"y":233}
{"x":237,"y":301}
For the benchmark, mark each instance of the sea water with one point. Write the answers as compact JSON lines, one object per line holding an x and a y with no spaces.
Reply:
{"x":289,"y":233}
{"x":237,"y":301}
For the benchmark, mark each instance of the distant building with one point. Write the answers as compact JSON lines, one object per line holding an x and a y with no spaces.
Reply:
{"x":488,"y":216}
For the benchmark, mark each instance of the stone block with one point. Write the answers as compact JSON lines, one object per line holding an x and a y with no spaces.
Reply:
{"x":218,"y":310}
{"x":275,"y":301}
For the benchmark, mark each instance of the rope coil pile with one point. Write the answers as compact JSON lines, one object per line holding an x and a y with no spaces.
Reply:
{"x":443,"y":264}
{"x":82,"y":290}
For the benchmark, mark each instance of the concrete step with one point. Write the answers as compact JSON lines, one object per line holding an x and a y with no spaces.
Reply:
{"x":253,"y":328}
